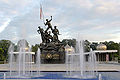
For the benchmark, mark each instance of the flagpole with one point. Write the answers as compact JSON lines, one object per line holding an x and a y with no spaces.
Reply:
{"x":41,"y":13}
{"x":43,"y":17}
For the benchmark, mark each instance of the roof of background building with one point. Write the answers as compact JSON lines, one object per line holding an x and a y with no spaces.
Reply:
{"x":105,"y":51}
{"x":101,"y":47}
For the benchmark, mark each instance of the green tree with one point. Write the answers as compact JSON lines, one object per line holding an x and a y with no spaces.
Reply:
{"x":87,"y":45}
{"x":93,"y":45}
{"x":4,"y":44}
{"x":1,"y":54}
{"x":70,"y":42}
{"x":119,"y":53}
{"x":35,"y":48}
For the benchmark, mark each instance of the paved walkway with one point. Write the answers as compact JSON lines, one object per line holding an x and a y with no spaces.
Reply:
{"x":62,"y":67}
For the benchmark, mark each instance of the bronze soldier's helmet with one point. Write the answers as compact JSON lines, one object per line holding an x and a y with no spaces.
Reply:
{"x":55,"y":26}
{"x":46,"y":19}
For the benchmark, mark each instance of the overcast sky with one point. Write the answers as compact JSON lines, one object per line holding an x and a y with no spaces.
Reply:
{"x":95,"y":20}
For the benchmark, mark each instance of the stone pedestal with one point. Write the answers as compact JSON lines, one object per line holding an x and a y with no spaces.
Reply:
{"x":52,"y":53}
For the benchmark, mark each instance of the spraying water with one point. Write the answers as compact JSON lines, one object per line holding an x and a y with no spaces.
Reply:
{"x":10,"y":52}
{"x":100,"y":77}
{"x":21,"y":62}
{"x":80,"y":64}
{"x":38,"y":62}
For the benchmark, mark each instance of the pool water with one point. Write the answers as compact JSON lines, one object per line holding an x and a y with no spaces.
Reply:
{"x":60,"y":75}
{"x":110,"y":75}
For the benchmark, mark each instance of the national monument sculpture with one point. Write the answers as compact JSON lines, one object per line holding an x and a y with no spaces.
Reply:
{"x":52,"y":50}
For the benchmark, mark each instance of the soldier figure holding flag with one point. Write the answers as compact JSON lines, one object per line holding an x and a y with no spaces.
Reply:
{"x":49,"y":24}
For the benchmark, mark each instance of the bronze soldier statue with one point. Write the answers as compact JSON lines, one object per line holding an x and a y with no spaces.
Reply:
{"x":41,"y":31}
{"x":50,"y":36}
{"x":55,"y":31}
{"x":46,"y":37}
{"x":49,"y":24}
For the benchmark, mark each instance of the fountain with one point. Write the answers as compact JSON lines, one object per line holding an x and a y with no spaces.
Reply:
{"x":21,"y":62}
{"x":80,"y":64}
{"x":38,"y":61}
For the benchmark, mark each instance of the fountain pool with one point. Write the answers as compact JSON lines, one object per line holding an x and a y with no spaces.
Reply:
{"x":60,"y":76}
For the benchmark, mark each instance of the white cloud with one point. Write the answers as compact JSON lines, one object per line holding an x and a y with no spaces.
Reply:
{"x":4,"y":25}
{"x":75,"y":3}
{"x":108,"y":7}
{"x":11,"y":9}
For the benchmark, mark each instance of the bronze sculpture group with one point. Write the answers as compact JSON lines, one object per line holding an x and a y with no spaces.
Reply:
{"x":52,"y":50}
{"x":46,"y":36}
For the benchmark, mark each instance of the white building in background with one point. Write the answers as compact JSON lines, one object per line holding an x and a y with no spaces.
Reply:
{"x":102,"y":54}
